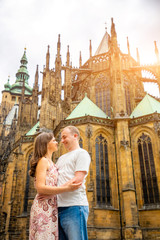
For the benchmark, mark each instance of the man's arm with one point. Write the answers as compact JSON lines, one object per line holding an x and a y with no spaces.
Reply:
{"x":79,"y":176}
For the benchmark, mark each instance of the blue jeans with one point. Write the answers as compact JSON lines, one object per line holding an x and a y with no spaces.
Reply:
{"x":73,"y":222}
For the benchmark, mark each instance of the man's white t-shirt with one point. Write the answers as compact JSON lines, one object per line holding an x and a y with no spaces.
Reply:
{"x":68,"y":164}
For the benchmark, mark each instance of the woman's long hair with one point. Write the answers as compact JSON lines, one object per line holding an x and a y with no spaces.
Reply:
{"x":40,"y":150}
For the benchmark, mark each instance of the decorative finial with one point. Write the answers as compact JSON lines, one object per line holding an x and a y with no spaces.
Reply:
{"x":105,"y":26}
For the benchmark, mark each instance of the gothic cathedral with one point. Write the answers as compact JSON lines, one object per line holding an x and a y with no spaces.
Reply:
{"x":120,"y":128}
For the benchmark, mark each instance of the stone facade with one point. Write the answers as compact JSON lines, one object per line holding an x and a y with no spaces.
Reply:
{"x":123,"y":184}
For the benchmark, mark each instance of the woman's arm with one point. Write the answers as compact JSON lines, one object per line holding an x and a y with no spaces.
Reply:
{"x":41,"y":186}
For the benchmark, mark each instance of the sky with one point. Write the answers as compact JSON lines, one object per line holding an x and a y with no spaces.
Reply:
{"x":35,"y":24}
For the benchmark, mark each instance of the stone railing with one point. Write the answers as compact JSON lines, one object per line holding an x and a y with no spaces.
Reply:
{"x":84,"y":120}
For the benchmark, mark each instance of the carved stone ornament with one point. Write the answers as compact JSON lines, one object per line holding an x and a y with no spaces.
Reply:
{"x":124,"y":143}
{"x":89,"y":131}
{"x":157,"y":128}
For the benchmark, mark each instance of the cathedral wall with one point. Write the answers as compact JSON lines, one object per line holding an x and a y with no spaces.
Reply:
{"x":15,"y":193}
{"x":149,"y":212}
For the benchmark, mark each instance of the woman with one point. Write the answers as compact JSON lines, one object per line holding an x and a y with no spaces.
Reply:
{"x":44,"y":216}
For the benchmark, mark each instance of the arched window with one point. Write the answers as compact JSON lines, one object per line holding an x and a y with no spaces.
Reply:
{"x":81,"y":142}
{"x":27,"y":185}
{"x":102,"y":94}
{"x":148,"y":171}
{"x":102,"y":172}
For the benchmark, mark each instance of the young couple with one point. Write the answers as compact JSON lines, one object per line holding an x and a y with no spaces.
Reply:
{"x":62,"y":184}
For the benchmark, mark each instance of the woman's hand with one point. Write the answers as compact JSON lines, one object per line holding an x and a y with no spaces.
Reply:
{"x":72,"y":186}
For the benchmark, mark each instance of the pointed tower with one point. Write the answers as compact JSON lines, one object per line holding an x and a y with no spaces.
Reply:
{"x":68,"y":57}
{"x":118,"y":97}
{"x":22,"y":76}
{"x":22,"y":73}
{"x":35,"y":98}
{"x":80,"y":59}
{"x":113,"y":35}
{"x":58,"y":63}
{"x":51,"y":113}
{"x":13,"y":94}
{"x":128,"y":47}
{"x":138,"y":58}
{"x":67,"y":84}
{"x":47,"y":59}
{"x":156,"y":52}
{"x":127,"y":189}
{"x":90,"y":48}
{"x":26,"y":114}
{"x":67,"y":78}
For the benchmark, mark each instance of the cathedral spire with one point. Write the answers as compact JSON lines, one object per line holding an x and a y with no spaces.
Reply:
{"x":80,"y":60}
{"x":47,"y":58}
{"x":58,"y":56}
{"x":68,"y":57}
{"x":23,"y":91}
{"x":90,"y":48}
{"x":156,"y":52}
{"x":58,"y":46}
{"x":138,"y":58}
{"x":36,"y":78}
{"x":113,"y":34}
{"x":22,"y":73}
{"x":128,"y":47}
{"x":35,"y":98}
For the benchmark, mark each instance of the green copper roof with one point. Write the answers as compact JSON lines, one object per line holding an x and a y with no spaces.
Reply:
{"x":22,"y":73}
{"x":7,"y":86}
{"x":17,"y":88}
{"x":24,"y":58}
{"x":148,"y":105}
{"x":32,"y":131}
{"x":87,"y":107}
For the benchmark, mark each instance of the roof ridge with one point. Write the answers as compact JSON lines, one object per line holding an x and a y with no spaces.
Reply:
{"x":141,"y":110}
{"x":87,"y":107}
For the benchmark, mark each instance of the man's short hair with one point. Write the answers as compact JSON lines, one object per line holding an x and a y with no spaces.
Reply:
{"x":73,"y":130}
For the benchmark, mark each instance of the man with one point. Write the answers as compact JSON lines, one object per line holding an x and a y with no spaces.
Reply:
{"x":73,"y":206}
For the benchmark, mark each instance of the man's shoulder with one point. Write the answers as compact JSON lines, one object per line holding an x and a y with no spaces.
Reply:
{"x":75,"y":153}
{"x":83,"y":152}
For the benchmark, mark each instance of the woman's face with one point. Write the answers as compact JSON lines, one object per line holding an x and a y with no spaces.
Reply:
{"x":52,"y":145}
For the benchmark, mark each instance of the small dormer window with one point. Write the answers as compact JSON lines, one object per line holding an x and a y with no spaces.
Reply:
{"x":13,"y":98}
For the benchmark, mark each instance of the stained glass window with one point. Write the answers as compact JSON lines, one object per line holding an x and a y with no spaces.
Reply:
{"x":102,"y":94}
{"x":102,"y":172}
{"x":148,"y":171}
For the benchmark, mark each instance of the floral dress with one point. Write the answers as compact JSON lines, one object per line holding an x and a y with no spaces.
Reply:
{"x":44,"y":213}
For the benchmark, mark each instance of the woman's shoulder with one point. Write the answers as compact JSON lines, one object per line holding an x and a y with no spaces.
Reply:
{"x":43,"y":161}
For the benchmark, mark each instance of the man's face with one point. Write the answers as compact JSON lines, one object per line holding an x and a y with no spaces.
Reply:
{"x":68,"y":139}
